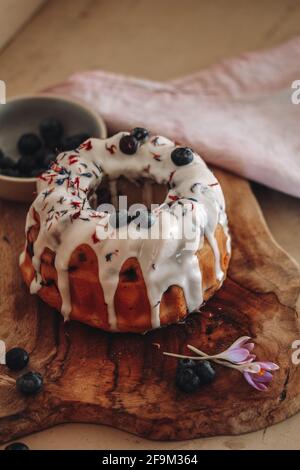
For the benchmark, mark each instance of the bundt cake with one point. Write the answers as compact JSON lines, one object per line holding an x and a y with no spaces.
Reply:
{"x":126,"y":271}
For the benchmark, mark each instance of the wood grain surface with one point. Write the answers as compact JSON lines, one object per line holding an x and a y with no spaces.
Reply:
{"x":123,"y":380}
{"x":13,"y":16}
{"x":163,"y":41}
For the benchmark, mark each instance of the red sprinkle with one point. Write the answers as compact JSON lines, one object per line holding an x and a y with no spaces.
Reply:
{"x":73,"y":159}
{"x":86,"y":145}
{"x":112,"y":149}
{"x":95,"y":238}
{"x":76,"y":203}
{"x":147,"y":169}
{"x":75,"y":215}
{"x":156,"y":157}
{"x":76,"y":182}
{"x":56,"y":168}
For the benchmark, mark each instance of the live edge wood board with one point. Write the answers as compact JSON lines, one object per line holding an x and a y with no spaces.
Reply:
{"x":123,"y":380}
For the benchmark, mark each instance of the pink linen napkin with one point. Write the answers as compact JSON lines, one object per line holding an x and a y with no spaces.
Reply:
{"x":237,"y":114}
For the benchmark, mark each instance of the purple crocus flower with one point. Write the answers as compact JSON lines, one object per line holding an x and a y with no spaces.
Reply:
{"x":258,"y":374}
{"x":239,"y":352}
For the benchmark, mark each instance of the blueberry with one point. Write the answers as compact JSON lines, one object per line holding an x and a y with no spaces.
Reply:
{"x":205,"y":371}
{"x":74,"y":141}
{"x":30,"y":383}
{"x":29,"y":144}
{"x":51,"y":130}
{"x":145,"y":219}
{"x":16,"y":358}
{"x":182,"y":156}
{"x":17,"y":446}
{"x":26,"y":165}
{"x":187,"y":380}
{"x":6,"y":162}
{"x":128,"y":144}
{"x":186,"y":363}
{"x":140,"y":134}
{"x":119,"y":219}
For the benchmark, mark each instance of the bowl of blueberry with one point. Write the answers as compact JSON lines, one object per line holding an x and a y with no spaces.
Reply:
{"x":34,"y":130}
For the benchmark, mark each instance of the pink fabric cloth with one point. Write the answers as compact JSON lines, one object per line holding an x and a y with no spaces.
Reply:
{"x":237,"y":114}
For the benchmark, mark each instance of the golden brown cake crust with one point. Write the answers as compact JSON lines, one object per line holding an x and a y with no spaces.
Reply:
{"x":131,"y":300}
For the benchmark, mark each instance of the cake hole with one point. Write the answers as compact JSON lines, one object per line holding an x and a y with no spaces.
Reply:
{"x":142,"y":191}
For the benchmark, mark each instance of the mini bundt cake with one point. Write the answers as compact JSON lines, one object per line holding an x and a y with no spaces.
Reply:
{"x":84,"y":261}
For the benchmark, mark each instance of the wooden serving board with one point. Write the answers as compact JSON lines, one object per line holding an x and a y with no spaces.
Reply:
{"x":123,"y":380}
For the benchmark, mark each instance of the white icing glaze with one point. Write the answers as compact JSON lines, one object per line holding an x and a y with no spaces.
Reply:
{"x":67,"y":220}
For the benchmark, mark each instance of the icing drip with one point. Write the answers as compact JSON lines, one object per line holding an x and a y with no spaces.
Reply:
{"x":22,"y":257}
{"x":67,"y":220}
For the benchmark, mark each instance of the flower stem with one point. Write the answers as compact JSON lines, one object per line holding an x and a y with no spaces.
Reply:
{"x":205,"y":357}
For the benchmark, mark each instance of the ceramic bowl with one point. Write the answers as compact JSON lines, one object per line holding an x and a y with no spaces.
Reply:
{"x":23,"y":114}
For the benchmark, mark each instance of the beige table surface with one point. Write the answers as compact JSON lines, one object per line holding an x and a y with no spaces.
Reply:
{"x":160,"y":39}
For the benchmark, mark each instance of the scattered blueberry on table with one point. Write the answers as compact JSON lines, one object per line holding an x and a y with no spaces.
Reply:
{"x":191,"y":375}
{"x":38,"y":152}
{"x":30,"y":383}
{"x":17,"y":446}
{"x":205,"y":372}
{"x":186,"y":363}
{"x":16,"y":359}
{"x":187,"y":380}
